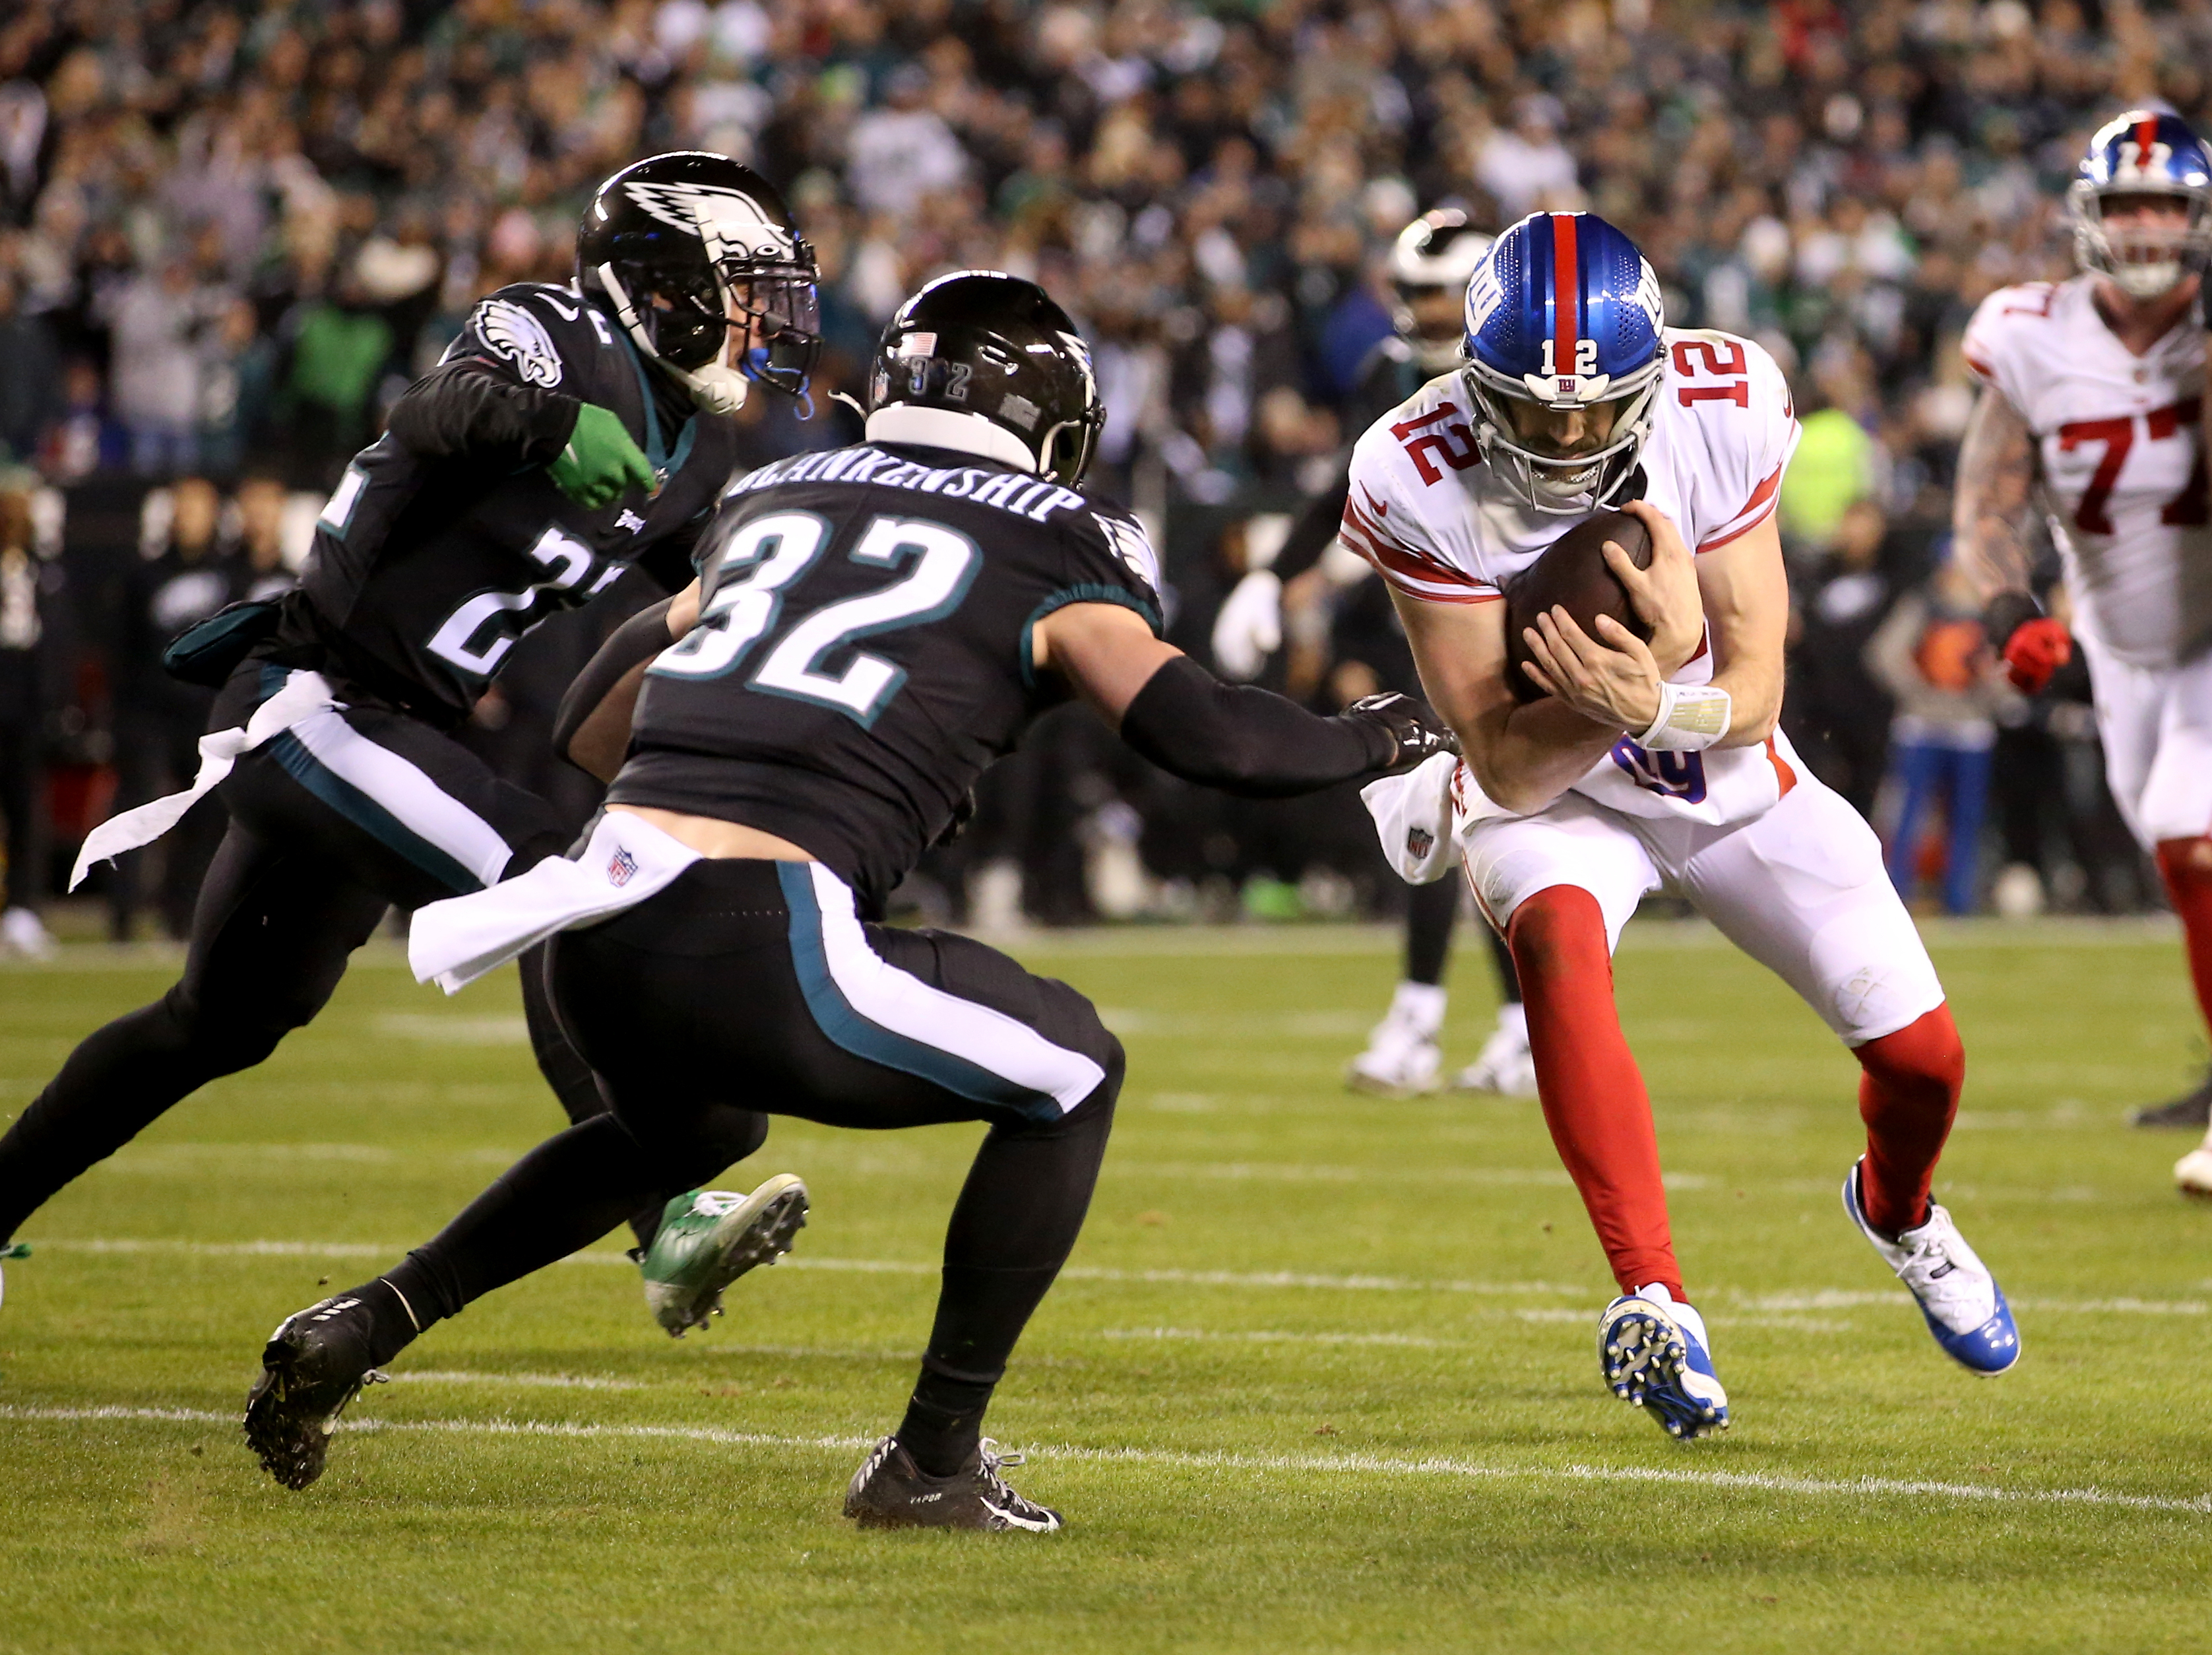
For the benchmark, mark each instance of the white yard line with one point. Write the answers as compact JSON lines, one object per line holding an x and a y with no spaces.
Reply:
{"x":1735,"y":1299}
{"x":1369,"y":1464}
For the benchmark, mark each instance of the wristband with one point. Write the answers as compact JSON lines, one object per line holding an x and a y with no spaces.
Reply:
{"x":1691,"y":717}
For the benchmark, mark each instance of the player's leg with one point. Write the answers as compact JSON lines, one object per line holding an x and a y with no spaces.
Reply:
{"x":2175,"y":813}
{"x":2132,"y":705}
{"x":1560,"y":885}
{"x":273,"y":930}
{"x":1917,"y":767}
{"x":1403,"y":1057}
{"x":1969,"y":803}
{"x":1802,"y":891}
{"x":421,"y":817}
{"x":849,"y":1024}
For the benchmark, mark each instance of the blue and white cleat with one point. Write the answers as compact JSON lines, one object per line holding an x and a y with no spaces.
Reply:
{"x":1965,"y":1307}
{"x":18,"y":1250}
{"x":1652,"y":1350}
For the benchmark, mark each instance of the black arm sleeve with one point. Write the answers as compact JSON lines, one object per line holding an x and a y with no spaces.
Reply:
{"x":1244,"y":740}
{"x":464,"y":408}
{"x":1316,"y":527}
{"x":639,"y":638}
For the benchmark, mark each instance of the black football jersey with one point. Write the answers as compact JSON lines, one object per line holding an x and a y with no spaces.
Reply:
{"x":427,"y":567}
{"x":863,"y":652}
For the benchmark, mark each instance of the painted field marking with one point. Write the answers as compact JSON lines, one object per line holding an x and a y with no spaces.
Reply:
{"x":1825,"y":1298}
{"x":1369,"y":1464}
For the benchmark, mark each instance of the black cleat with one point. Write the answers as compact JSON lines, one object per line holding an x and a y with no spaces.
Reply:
{"x":2192,"y":1113}
{"x":889,"y":1491}
{"x":315,"y":1364}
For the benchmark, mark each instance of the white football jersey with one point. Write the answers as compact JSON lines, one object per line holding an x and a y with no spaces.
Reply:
{"x":1424,"y":510}
{"x":2120,"y":446}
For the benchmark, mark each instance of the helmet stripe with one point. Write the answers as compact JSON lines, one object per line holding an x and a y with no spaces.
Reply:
{"x":2146,"y":138}
{"x":1567,"y":288}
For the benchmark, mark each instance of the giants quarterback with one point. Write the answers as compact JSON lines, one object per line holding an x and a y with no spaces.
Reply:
{"x":1647,"y":765}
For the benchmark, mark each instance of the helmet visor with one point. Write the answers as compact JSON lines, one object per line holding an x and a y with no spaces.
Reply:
{"x":782,"y":311}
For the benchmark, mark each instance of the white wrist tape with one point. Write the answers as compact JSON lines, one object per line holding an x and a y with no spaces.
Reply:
{"x":1692,"y":716}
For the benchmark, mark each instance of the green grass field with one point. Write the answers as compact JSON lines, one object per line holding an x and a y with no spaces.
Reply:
{"x":1319,"y":1378}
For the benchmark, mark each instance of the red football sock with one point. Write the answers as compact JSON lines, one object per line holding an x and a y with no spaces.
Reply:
{"x":1907,"y":1098}
{"x":2186,"y":866}
{"x":1593,"y":1095}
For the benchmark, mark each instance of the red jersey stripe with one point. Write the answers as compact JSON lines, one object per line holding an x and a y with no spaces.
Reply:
{"x":1756,"y":510}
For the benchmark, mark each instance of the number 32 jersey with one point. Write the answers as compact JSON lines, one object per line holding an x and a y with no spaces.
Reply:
{"x":863,"y":650}
{"x":1428,"y":514}
{"x":2120,"y":450}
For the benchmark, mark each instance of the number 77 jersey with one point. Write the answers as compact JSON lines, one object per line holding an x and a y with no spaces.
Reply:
{"x":1424,"y":511}
{"x":2120,"y":451}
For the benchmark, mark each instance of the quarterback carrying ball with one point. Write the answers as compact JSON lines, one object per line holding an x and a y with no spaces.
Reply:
{"x":1647,"y":764}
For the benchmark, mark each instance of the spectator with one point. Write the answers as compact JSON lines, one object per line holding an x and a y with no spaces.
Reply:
{"x":29,"y":587}
{"x":155,"y":324}
{"x":31,"y":388}
{"x":1931,"y":656}
{"x":1837,"y":712}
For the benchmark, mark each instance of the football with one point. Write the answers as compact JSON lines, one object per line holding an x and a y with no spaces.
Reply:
{"x":1574,"y":574}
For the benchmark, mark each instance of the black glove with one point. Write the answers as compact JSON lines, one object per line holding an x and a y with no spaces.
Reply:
{"x":1419,"y":733}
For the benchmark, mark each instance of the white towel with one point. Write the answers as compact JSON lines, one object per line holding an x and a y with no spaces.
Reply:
{"x":303,"y":694}
{"x":1413,"y":817}
{"x":626,"y":860}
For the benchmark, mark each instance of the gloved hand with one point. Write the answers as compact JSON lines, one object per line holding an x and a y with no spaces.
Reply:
{"x":2035,"y":649}
{"x":1420,"y":734}
{"x":601,"y":463}
{"x":1249,"y":627}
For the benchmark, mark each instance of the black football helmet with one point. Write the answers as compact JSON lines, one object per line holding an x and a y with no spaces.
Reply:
{"x":995,"y":354}
{"x":676,"y":246}
{"x":1440,"y":250}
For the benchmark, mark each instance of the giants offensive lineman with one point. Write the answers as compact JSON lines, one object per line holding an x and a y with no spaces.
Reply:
{"x":2094,"y":388}
{"x":1647,"y":765}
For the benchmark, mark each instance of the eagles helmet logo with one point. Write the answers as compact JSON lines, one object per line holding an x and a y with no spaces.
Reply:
{"x":734,"y":217}
{"x":514,"y":333}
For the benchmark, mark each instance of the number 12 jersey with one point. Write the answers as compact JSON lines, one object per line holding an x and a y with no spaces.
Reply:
{"x":863,"y":650}
{"x":1426,"y":511}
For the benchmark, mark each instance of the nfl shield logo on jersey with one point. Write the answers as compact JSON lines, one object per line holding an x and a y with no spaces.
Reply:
{"x":621,"y":867}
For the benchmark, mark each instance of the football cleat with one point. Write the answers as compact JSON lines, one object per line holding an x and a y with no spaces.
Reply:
{"x":2192,"y":1173}
{"x":1402,"y":1059}
{"x":1965,"y":1308}
{"x":2192,"y":1112}
{"x":1505,"y":1065}
{"x":315,"y":1364}
{"x":709,"y":1238}
{"x":18,"y":1250}
{"x":889,"y":1491}
{"x":1653,"y":1351}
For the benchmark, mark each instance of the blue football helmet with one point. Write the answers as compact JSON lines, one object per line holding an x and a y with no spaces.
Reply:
{"x":1564,"y":314}
{"x":2143,"y":152}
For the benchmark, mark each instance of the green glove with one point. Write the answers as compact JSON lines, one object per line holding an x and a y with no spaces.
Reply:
{"x":601,"y":463}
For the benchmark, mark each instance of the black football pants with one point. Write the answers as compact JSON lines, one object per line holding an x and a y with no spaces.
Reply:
{"x":330,"y":823}
{"x":748,"y":988}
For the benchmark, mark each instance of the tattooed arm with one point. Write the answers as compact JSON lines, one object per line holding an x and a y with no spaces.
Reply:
{"x":1997,"y":472}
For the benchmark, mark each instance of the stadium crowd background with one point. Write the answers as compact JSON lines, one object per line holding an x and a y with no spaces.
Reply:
{"x":232,"y":230}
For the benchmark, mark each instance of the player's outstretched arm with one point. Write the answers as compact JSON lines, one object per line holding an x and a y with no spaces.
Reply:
{"x":468,"y":409}
{"x":1996,"y":473}
{"x":1232,"y":737}
{"x":591,"y":729}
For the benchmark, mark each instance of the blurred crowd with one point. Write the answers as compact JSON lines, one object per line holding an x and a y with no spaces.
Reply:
{"x":231,"y":231}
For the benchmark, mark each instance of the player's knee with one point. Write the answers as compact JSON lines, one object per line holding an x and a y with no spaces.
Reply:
{"x":1556,"y":931}
{"x":1925,"y":1061}
{"x":692,"y":1146}
{"x":231,"y":1036}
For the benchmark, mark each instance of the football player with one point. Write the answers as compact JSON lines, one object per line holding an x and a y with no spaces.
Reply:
{"x":871,"y":628}
{"x":2092,"y":402}
{"x":569,"y":433}
{"x":1644,"y":764}
{"x":1430,"y":263}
